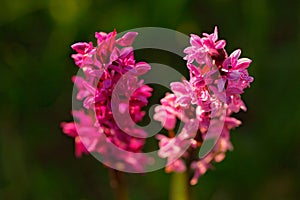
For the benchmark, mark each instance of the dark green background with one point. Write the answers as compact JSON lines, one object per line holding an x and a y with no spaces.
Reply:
{"x":37,"y":160}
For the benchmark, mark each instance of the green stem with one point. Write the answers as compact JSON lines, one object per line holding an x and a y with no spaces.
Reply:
{"x":117,"y":183}
{"x":179,"y":187}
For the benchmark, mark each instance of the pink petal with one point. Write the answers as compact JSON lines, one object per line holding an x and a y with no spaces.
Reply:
{"x":226,"y":63}
{"x":234,"y":90}
{"x":100,"y":36}
{"x":234,"y":57}
{"x":141,"y":68}
{"x":220,"y":44}
{"x":170,"y":122}
{"x":127,"y":39}
{"x":215,"y":34}
{"x":232,"y":122}
{"x":115,"y":54}
{"x":79,"y":148}
{"x":183,"y":101}
{"x":80,"y":47}
{"x":88,"y":102}
{"x":236,"y":54}
{"x":69,"y":128}
{"x":89,"y":88}
{"x":234,"y":75}
{"x":196,"y":40}
{"x":178,"y":87}
{"x":243,"y":63}
{"x":221,"y":84}
{"x":193,"y":69}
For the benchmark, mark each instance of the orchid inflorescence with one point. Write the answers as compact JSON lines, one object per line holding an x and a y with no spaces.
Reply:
{"x":215,"y":84}
{"x":103,"y":67}
{"x":209,"y":96}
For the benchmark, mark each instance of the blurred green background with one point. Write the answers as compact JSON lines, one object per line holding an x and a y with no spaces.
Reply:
{"x":37,"y":161}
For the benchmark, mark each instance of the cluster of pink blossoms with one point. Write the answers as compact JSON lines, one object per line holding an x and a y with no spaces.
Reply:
{"x":214,"y":87}
{"x":110,"y":88}
{"x":110,"y":62}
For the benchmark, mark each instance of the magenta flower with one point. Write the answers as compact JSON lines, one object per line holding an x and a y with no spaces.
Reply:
{"x":235,"y":71}
{"x":107,"y":67}
{"x":89,"y":134}
{"x":202,"y":49}
{"x":207,"y":98}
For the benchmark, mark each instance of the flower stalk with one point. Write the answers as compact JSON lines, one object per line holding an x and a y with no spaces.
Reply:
{"x":118,"y":184}
{"x":179,"y":188}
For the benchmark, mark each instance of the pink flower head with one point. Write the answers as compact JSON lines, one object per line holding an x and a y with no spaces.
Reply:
{"x":210,"y":95}
{"x":107,"y":67}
